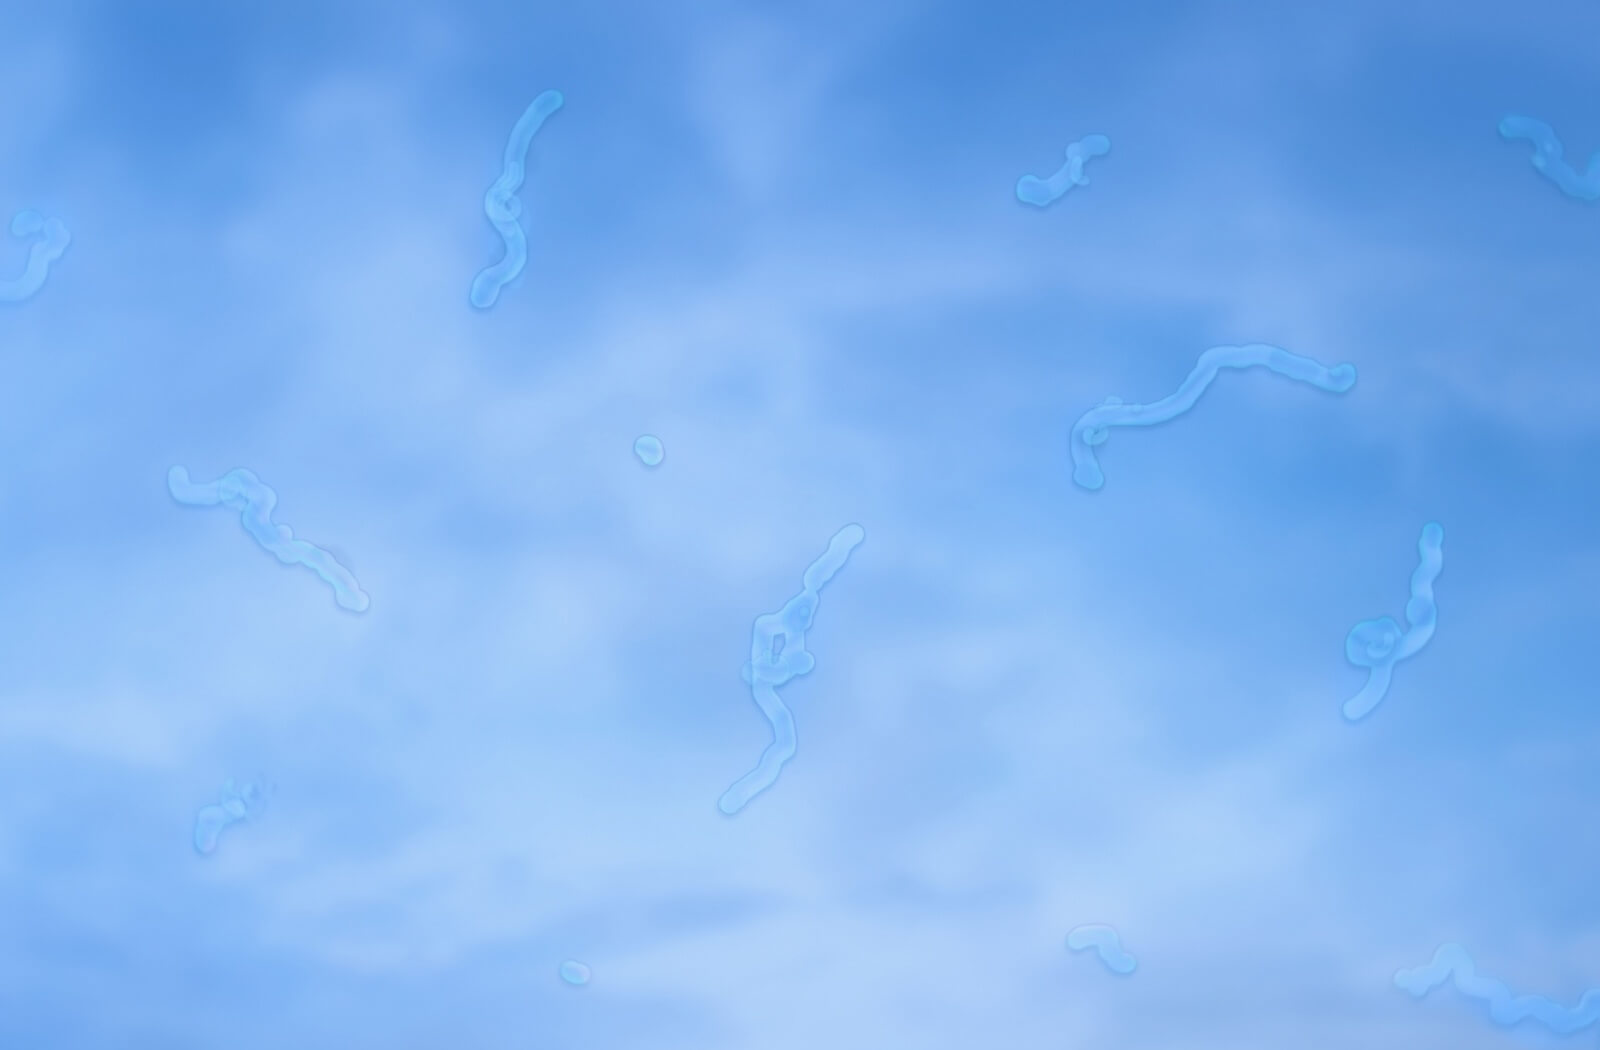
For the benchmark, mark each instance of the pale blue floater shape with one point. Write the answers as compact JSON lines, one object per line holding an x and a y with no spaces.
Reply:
{"x":1380,"y":644}
{"x":648,"y":449}
{"x":575,"y":973}
{"x":777,"y":654}
{"x":50,"y":240}
{"x":1452,"y":963}
{"x":1107,"y":943}
{"x":1042,"y":193}
{"x":234,"y":805}
{"x":1547,"y":157}
{"x":1092,"y":428}
{"x":503,"y":207}
{"x":242,"y":491}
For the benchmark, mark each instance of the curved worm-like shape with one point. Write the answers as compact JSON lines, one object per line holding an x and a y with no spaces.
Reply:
{"x":1380,"y":644}
{"x":1547,"y":157}
{"x":777,"y":654}
{"x":236,"y":804}
{"x":1093,"y":426}
{"x":1452,"y":963}
{"x":503,"y":208}
{"x":50,"y":240}
{"x":242,"y":491}
{"x":1107,"y":943}
{"x":1042,"y":193}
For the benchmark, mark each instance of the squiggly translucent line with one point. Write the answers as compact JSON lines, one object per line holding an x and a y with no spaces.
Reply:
{"x":50,"y":240}
{"x":242,"y":491}
{"x":777,"y":654}
{"x":1547,"y":157}
{"x":503,"y":208}
{"x":1107,"y":943}
{"x":1042,"y":193}
{"x":1380,"y":644}
{"x":236,"y":804}
{"x":1451,"y":962}
{"x":1093,"y":426}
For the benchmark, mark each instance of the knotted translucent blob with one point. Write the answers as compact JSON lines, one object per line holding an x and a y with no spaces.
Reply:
{"x":504,"y":209}
{"x":1378,"y":645}
{"x":575,"y":973}
{"x":777,"y":654}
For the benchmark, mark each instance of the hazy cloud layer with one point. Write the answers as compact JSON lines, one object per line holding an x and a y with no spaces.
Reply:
{"x":786,"y":241}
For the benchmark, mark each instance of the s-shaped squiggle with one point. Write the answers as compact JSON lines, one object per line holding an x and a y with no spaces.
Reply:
{"x":1042,"y":193}
{"x":50,"y":240}
{"x":242,"y":491}
{"x":503,"y":208}
{"x":1093,"y":426}
{"x":1547,"y":157}
{"x":1380,"y":644}
{"x":777,"y":654}
{"x":1451,"y":962}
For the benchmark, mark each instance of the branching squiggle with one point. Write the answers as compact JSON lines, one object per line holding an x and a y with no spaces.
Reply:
{"x":1093,"y":426}
{"x":1380,"y":644}
{"x":777,"y":654}
{"x":50,"y":240}
{"x":503,"y":208}
{"x":1042,"y":193}
{"x":1452,"y":963}
{"x":242,"y":491}
{"x":1548,"y":160}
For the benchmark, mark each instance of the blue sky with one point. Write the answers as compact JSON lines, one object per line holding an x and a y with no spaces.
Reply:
{"x":785,"y":239}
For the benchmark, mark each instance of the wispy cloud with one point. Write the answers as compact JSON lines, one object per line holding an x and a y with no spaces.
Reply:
{"x":1033,"y":707}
